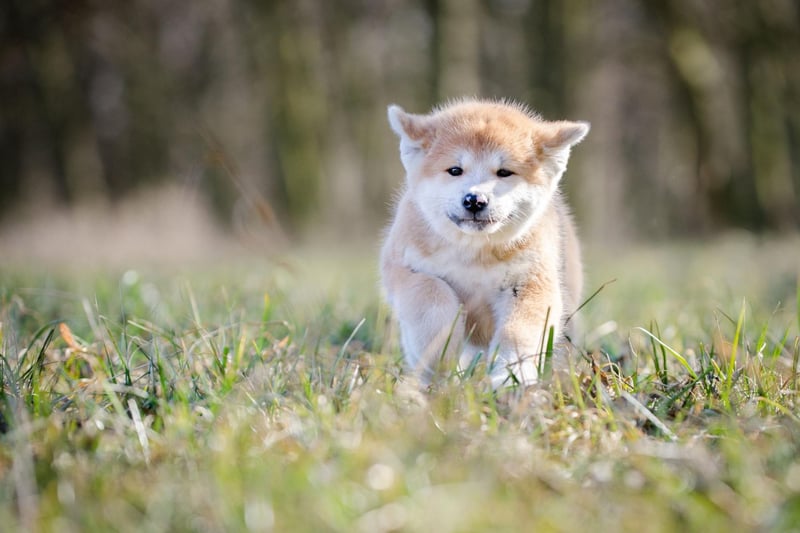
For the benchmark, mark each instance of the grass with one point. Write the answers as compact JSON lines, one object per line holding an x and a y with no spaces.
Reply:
{"x":269,"y":397}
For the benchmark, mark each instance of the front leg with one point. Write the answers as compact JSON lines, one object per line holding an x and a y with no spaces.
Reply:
{"x":525,"y":316}
{"x":430,"y":316}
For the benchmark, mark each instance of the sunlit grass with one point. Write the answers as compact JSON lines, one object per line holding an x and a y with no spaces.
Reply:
{"x":270,"y":397}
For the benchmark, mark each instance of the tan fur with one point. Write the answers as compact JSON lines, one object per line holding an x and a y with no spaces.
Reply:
{"x":491,"y":282}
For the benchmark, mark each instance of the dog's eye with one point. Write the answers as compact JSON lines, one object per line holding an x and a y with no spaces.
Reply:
{"x":455,"y":171}
{"x":504,"y":173}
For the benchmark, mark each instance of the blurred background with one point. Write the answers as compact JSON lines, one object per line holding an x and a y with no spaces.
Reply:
{"x":184,"y":122}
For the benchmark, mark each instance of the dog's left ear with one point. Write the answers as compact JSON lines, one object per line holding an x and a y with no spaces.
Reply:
{"x":415,"y":132}
{"x":554,"y":140}
{"x":563,"y":134}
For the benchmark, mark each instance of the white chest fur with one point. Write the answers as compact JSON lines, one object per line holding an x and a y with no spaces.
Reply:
{"x":478,"y":280}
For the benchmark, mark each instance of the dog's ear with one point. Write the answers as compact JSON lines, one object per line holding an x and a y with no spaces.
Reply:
{"x":554,"y":140}
{"x":415,"y":127}
{"x":415,"y":132}
{"x":562,"y":135}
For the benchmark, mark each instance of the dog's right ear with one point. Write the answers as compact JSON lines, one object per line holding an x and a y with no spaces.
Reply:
{"x":415,"y":132}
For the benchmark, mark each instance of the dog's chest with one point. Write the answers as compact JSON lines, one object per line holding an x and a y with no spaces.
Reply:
{"x":477,"y":279}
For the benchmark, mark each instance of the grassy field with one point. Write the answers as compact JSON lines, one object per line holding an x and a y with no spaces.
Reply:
{"x":267,"y":396}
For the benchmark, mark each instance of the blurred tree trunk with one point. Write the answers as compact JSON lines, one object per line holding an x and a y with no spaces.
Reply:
{"x":38,"y":110}
{"x":763,"y":63}
{"x":458,"y":48}
{"x":433,"y":9}
{"x":299,"y":109}
{"x":546,"y":50}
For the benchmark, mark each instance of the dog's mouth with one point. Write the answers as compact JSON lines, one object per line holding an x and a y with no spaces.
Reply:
{"x":473,"y":223}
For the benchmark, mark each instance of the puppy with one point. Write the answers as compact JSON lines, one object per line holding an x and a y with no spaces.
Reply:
{"x":482,"y":257}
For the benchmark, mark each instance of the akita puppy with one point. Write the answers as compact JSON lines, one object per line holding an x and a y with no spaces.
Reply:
{"x":482,"y":257}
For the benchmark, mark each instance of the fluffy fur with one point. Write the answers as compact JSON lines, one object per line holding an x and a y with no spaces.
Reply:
{"x":482,"y":256}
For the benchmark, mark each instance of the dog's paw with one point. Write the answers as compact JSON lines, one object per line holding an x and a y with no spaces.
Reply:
{"x":509,"y":370}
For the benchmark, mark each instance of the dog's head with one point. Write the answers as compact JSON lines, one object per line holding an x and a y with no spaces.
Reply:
{"x":480,"y":169}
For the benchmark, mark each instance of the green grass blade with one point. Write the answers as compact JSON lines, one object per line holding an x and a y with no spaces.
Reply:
{"x":473,"y":365}
{"x":785,"y":411}
{"x":781,"y":345}
{"x":661,"y":375}
{"x":589,"y":299}
{"x":672,"y":351}
{"x":545,"y":344}
{"x":36,"y":365}
{"x":547,"y":357}
{"x":795,"y":362}
{"x":343,"y":350}
{"x":50,"y":329}
{"x":728,"y":388}
{"x":648,"y":414}
{"x":798,"y":303}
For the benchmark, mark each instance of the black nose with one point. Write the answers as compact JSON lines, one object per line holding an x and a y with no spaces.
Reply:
{"x":475,"y":202}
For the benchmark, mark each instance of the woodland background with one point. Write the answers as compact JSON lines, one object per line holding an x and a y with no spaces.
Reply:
{"x":272,"y":113}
